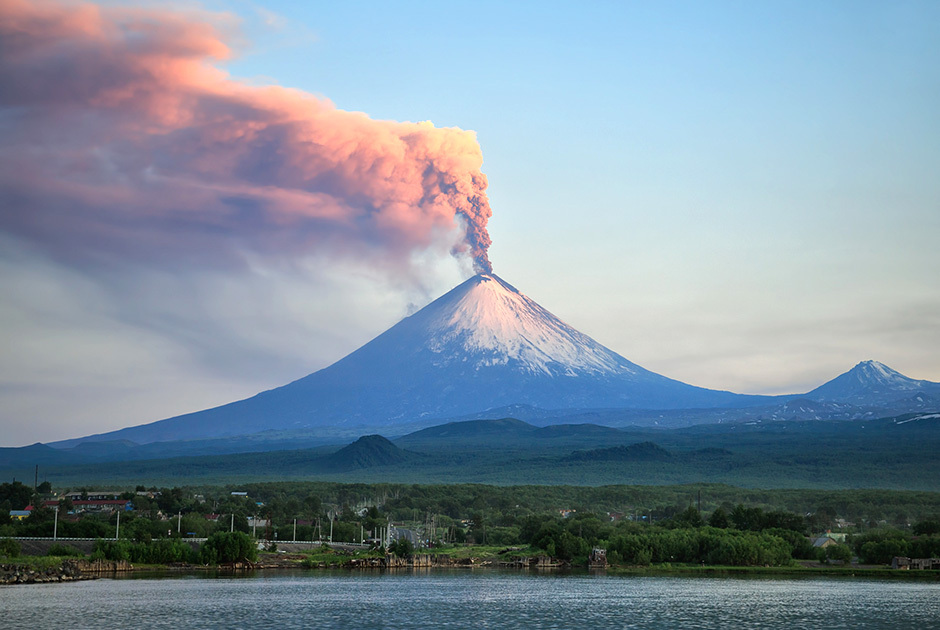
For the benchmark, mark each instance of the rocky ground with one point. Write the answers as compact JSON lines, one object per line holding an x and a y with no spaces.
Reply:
{"x":67,"y":571}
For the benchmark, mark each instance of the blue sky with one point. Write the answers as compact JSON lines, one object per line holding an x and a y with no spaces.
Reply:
{"x":761,"y":171}
{"x":738,"y":195}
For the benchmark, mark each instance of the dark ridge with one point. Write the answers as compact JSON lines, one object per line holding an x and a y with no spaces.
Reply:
{"x":472,"y":428}
{"x":29,"y":456}
{"x":640,"y":452}
{"x":576,"y":430}
{"x":711,"y":452}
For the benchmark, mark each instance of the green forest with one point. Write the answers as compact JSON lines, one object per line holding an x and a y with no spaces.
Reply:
{"x":637,"y":525}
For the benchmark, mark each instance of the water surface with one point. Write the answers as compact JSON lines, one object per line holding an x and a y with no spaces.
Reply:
{"x":473,"y":599}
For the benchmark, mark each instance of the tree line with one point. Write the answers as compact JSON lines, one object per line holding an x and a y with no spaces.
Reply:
{"x":658,"y":529}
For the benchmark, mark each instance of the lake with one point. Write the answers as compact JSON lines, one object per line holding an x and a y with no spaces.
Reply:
{"x":471,"y":599}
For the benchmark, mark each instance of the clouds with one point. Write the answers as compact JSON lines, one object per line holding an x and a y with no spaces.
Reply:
{"x":122,"y":139}
{"x":173,"y":238}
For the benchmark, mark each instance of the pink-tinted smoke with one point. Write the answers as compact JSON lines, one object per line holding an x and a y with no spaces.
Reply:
{"x":120,"y":138}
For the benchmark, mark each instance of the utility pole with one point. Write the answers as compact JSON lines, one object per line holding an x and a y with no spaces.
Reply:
{"x":331,"y":529}
{"x":295,"y":530}
{"x":233,"y":522}
{"x":117,"y":531}
{"x":179,"y":521}
{"x":55,"y":526}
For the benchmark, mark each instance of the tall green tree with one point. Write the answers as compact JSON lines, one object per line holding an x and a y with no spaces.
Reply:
{"x":228,"y":547}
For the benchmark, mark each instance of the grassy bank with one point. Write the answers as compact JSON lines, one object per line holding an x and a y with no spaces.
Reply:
{"x":849,"y":571}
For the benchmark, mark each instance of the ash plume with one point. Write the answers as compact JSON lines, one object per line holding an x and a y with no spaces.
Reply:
{"x":121,"y":140}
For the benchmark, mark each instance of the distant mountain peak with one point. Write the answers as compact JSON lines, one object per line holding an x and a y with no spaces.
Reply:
{"x":870,"y":383}
{"x":877,"y":372}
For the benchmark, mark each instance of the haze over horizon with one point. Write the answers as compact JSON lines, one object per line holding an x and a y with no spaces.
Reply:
{"x":738,"y":197}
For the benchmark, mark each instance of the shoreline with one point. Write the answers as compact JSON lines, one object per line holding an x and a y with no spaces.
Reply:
{"x":75,"y":569}
{"x":68,"y":570}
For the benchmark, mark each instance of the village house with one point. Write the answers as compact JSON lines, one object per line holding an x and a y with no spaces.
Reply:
{"x":92,"y":495}
{"x":916,"y":564}
{"x":828,"y":539}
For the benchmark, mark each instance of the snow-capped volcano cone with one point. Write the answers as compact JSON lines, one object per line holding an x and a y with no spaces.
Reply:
{"x":485,"y":345}
{"x":481,"y":346}
{"x":487,"y":322}
{"x":872,"y":383}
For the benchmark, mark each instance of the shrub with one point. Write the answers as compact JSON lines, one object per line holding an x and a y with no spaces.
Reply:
{"x":64,"y":550}
{"x":882,"y":552}
{"x":112,"y":550}
{"x":840,"y":553}
{"x":926,"y":547}
{"x":228,"y":547}
{"x":9,"y":548}
{"x":927,"y":527}
{"x":402,"y":548}
{"x":800,"y":545}
{"x":163,"y":551}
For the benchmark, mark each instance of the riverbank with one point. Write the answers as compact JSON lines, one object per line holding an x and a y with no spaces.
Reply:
{"x":799,"y":570}
{"x":43,"y":570}
{"x":48,"y":571}
{"x":512,"y":559}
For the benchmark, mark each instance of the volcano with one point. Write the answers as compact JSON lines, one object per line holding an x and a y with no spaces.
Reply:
{"x":873,"y":383}
{"x":481,"y":346}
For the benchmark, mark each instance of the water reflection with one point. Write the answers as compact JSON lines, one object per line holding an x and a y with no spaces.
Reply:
{"x":483,"y":599}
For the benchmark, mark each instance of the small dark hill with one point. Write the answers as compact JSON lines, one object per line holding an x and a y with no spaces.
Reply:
{"x":366,"y":452}
{"x":640,"y":452}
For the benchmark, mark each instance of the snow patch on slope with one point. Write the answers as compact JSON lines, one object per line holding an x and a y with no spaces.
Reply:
{"x":932,"y":416}
{"x":495,"y":324}
{"x":879,"y":373}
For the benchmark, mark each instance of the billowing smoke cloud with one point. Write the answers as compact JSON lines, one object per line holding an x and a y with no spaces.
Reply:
{"x":122,"y":141}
